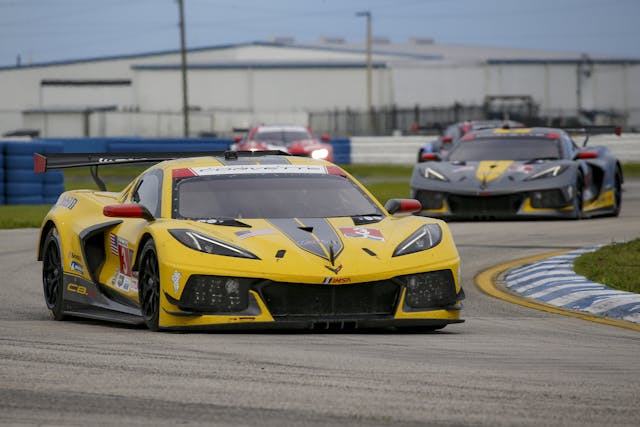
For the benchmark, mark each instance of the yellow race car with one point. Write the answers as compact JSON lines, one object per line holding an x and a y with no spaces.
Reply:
{"x":239,"y":240}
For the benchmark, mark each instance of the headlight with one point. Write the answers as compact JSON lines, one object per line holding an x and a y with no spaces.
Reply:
{"x":548,"y":173}
{"x":203,"y":243}
{"x":321,"y":153}
{"x":424,"y":238}
{"x":434,"y":174}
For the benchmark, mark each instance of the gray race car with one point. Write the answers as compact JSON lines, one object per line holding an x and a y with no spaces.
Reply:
{"x":527,"y":172}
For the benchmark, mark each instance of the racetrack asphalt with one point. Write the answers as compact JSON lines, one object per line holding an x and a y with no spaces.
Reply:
{"x":549,"y":283}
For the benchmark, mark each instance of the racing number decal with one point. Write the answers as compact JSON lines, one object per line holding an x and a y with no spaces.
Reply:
{"x":125,"y":260}
{"x":120,"y":247}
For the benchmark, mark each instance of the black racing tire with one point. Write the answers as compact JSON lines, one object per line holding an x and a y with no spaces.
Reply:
{"x":617,"y":194}
{"x":53,"y":275}
{"x":578,"y":198}
{"x":149,"y":285}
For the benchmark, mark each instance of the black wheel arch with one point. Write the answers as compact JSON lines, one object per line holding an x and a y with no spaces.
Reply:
{"x":44,"y":232}
{"x":143,"y":241}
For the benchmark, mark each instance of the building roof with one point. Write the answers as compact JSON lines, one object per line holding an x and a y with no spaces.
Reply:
{"x":413,"y":49}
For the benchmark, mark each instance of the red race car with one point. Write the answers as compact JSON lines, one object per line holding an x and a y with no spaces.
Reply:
{"x":295,"y":140}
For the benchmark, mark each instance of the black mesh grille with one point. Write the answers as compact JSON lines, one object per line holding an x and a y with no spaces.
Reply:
{"x":306,"y":300}
{"x":428,"y":290}
{"x":485,"y":204}
{"x":215,"y":294}
{"x":429,"y":199}
{"x":548,"y":199}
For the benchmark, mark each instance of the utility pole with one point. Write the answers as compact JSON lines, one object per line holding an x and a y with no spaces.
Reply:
{"x":367,"y":14}
{"x":183,"y":68}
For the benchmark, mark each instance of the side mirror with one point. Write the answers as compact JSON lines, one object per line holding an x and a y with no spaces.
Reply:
{"x":130,"y":210}
{"x":446,"y":139}
{"x":431,"y":157}
{"x":406,"y":206}
{"x":237,"y":139}
{"x":587,"y":155}
{"x":325,"y":138}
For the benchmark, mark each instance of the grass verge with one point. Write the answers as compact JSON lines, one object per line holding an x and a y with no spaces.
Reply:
{"x":617,"y":266}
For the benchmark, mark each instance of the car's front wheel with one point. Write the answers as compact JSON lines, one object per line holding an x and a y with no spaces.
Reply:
{"x":617,"y":194}
{"x":53,"y":275}
{"x":149,"y":285}
{"x":578,"y":198}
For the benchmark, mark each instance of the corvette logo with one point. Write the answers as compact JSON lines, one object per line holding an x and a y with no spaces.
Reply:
{"x":336,"y":270}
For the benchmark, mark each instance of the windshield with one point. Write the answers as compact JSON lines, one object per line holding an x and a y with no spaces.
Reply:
{"x":269,"y":196}
{"x":506,"y":148}
{"x":280,"y":137}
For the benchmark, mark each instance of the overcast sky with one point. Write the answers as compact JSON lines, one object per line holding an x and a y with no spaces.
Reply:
{"x":51,"y":30}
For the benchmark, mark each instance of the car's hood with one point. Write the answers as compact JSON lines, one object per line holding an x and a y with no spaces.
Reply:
{"x":315,"y":250}
{"x":491,"y":172}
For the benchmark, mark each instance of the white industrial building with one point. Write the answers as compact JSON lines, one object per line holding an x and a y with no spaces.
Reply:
{"x":283,"y":81}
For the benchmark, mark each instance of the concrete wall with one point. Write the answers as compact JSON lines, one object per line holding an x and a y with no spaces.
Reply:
{"x":258,"y":90}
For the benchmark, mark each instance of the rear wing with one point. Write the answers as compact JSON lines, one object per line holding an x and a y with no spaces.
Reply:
{"x":43,"y":163}
{"x":587,"y":131}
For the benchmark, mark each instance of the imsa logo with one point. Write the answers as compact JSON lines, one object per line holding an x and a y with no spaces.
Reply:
{"x":336,"y":280}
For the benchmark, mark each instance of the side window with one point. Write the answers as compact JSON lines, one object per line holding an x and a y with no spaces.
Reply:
{"x":148,"y":191}
{"x":570,"y":146}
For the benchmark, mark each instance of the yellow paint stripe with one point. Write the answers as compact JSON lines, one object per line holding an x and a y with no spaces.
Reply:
{"x":488,"y":170}
{"x":486,"y":282}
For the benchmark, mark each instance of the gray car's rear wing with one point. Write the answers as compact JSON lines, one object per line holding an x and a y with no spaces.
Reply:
{"x":587,"y":131}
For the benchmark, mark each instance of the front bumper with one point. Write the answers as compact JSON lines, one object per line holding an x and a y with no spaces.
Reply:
{"x":264,"y":304}
{"x":556,"y":203}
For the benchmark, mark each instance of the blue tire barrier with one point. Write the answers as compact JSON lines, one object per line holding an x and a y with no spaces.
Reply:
{"x":54,"y":176}
{"x":23,"y":189}
{"x":53,"y":147}
{"x":23,"y":148}
{"x":23,"y":175}
{"x":52,"y":189}
{"x":160,"y":147}
{"x":18,"y":162}
{"x":49,"y":200}
{"x":25,"y":200}
{"x":341,"y":150}
{"x":76,"y":145}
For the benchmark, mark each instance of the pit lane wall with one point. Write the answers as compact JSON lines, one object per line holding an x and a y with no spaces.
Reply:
{"x":19,"y":185}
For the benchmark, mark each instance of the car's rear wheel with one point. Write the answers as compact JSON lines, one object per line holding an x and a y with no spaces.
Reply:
{"x":149,"y":285}
{"x":578,"y":197}
{"x":53,"y":275}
